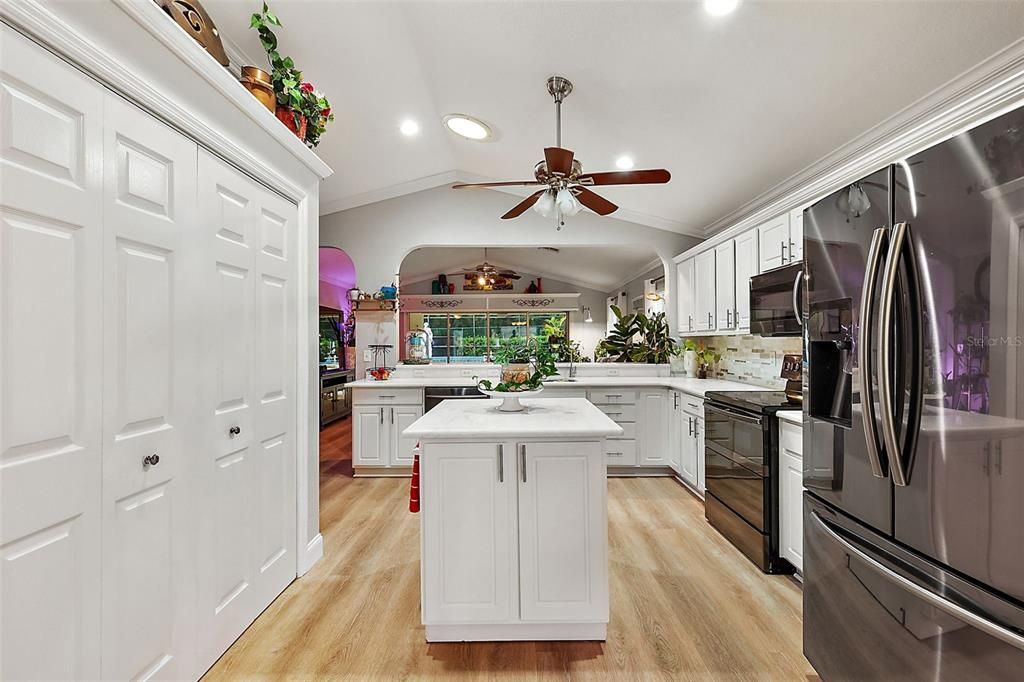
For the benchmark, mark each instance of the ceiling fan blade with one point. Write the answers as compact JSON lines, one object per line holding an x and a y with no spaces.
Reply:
{"x":521,"y":207}
{"x":594,"y":202}
{"x":654,"y":176}
{"x":558,"y":160}
{"x":511,"y":183}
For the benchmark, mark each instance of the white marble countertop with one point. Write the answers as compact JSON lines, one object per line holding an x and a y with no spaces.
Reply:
{"x":542,"y":418}
{"x":695,"y":387}
{"x":792,"y":416}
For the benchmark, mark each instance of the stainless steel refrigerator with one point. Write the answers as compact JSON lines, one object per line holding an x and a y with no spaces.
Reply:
{"x":914,"y":405}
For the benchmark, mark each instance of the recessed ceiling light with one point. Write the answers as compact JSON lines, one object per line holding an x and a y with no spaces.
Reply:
{"x":467,"y":126}
{"x":409,"y":127}
{"x":719,"y":8}
{"x":624,"y":162}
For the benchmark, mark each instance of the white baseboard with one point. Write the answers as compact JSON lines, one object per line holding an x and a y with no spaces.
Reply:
{"x":313,"y":553}
{"x":518,"y":632}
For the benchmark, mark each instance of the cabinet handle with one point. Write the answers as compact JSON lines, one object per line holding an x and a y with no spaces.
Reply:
{"x":392,"y":412}
{"x":728,"y":318}
{"x":690,"y":420}
{"x":711,"y":322}
{"x":234,"y":431}
{"x":385,"y":396}
{"x":691,"y":321}
{"x":615,"y":454}
{"x":501,"y":463}
{"x":696,"y":429}
{"x":150,"y":461}
{"x":783,"y":252}
{"x":522,"y":460}
{"x":382,"y":415}
{"x":791,"y":251}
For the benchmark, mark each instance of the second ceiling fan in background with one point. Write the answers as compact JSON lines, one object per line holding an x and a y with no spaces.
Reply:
{"x":565,"y":184}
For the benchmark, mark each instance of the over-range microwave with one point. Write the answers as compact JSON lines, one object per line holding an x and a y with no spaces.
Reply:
{"x":775,"y":301}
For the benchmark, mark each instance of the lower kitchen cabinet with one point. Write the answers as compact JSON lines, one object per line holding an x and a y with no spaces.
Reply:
{"x":691,"y":443}
{"x":515,"y":534}
{"x":378,"y":446}
{"x":791,"y":484}
{"x":653,"y":427}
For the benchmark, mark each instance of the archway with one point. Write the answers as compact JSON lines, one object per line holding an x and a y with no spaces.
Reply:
{"x":337,"y":366}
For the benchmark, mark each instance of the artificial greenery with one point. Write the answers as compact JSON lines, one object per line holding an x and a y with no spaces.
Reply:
{"x":291,"y":91}
{"x":637,"y":337}
{"x":520,"y":351}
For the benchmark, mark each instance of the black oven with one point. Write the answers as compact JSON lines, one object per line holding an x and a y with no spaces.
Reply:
{"x":775,"y":301}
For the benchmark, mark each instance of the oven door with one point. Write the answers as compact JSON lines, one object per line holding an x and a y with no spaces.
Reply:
{"x":775,"y":302}
{"x":738,"y":436}
{"x":735,"y":486}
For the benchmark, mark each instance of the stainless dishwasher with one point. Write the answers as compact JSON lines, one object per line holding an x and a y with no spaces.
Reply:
{"x":433,"y":395}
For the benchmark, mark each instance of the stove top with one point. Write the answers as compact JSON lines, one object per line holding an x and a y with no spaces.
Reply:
{"x":761,"y":402}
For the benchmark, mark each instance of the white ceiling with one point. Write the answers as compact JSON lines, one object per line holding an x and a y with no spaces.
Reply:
{"x":732,"y":106}
{"x":602,"y":268}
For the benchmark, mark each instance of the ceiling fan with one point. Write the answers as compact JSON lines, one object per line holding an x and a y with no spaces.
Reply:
{"x":561,"y":174}
{"x":486,"y":274}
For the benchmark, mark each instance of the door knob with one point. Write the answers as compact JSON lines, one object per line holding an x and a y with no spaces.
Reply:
{"x":234,"y":431}
{"x":150,"y":461}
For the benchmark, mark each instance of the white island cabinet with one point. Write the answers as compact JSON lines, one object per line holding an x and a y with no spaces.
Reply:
{"x":514,"y":520}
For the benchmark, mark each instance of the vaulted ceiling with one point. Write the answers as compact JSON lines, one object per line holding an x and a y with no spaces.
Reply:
{"x":731,"y":105}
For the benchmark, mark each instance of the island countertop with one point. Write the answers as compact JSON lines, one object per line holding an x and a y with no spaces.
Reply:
{"x":543,"y":418}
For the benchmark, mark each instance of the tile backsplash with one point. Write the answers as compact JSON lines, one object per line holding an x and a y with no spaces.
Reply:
{"x":753,"y":359}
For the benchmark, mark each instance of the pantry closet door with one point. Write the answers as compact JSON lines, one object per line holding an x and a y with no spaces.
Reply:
{"x":248,"y":402}
{"x":51,"y":127}
{"x":150,"y":372}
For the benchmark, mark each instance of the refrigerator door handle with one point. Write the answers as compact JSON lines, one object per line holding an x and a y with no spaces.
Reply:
{"x":986,"y":625}
{"x":864,"y":361}
{"x":886,"y":390}
{"x":796,"y":300}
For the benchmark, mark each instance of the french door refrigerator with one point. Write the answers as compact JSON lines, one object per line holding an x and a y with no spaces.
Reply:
{"x":914,"y":405}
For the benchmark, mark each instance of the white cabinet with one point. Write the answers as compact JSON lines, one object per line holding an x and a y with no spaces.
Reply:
{"x":514,"y":540}
{"x":469,"y":518}
{"x":704,"y":307}
{"x":747,"y":266}
{"x":796,"y":235}
{"x":791,"y":480}
{"x":653,"y":427}
{"x":725,"y":286}
{"x":685,"y":295}
{"x":562,"y":532}
{"x":378,"y":419}
{"x":691,"y":451}
{"x":773,"y":243}
{"x":675,"y":430}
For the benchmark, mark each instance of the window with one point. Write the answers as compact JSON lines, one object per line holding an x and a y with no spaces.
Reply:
{"x":474,"y":337}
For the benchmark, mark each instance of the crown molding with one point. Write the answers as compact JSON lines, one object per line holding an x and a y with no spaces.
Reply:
{"x":390,"y":192}
{"x":983,"y":92}
{"x":642,"y":271}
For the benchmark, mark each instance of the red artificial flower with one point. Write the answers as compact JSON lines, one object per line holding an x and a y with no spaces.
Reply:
{"x":326,"y":112}
{"x":306,"y":87}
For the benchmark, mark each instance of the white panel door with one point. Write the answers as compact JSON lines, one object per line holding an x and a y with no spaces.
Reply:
{"x":401,"y":417}
{"x":796,"y":235}
{"x":685,"y":303}
{"x":746,"y":267}
{"x":653,"y":427}
{"x":563,"y":536}
{"x":51,"y":119}
{"x":773,"y":243}
{"x":791,"y":537}
{"x":151,"y":281}
{"x":470,"y":578}
{"x":704,"y":286}
{"x":369,"y":436}
{"x":688,"y":451}
{"x":725,"y":286}
{"x":249,"y":402}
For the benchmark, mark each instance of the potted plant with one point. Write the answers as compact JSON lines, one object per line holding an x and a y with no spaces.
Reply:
{"x":706,"y":358}
{"x":638,"y":338}
{"x":524,"y":366}
{"x":299,"y":105}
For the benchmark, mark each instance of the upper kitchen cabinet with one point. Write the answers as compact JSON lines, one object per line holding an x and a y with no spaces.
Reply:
{"x":704,"y":292}
{"x":796,"y":235}
{"x":773,"y":239}
{"x":725,"y":286}
{"x":685,"y":297}
{"x":746,"y":267}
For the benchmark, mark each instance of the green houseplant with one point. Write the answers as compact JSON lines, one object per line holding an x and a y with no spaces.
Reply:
{"x":525,"y":365}
{"x":637,"y":338}
{"x":300,"y":106}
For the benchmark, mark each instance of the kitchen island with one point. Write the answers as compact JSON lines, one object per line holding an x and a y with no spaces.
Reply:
{"x":514,"y":520}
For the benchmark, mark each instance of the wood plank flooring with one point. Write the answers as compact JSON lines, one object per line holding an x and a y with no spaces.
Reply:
{"x":685,"y":605}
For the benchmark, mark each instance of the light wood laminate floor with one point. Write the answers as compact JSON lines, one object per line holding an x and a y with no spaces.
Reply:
{"x":685,"y":604}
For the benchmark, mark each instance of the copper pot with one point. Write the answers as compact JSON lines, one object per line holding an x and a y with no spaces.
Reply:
{"x":257,"y":81}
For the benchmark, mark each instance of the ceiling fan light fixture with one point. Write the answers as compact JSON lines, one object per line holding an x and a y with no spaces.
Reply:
{"x":546,"y":204}
{"x":568,"y":205}
{"x":467,"y":127}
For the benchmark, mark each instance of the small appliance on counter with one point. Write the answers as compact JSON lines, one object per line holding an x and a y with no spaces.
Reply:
{"x":741,"y":464}
{"x":793,"y":372}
